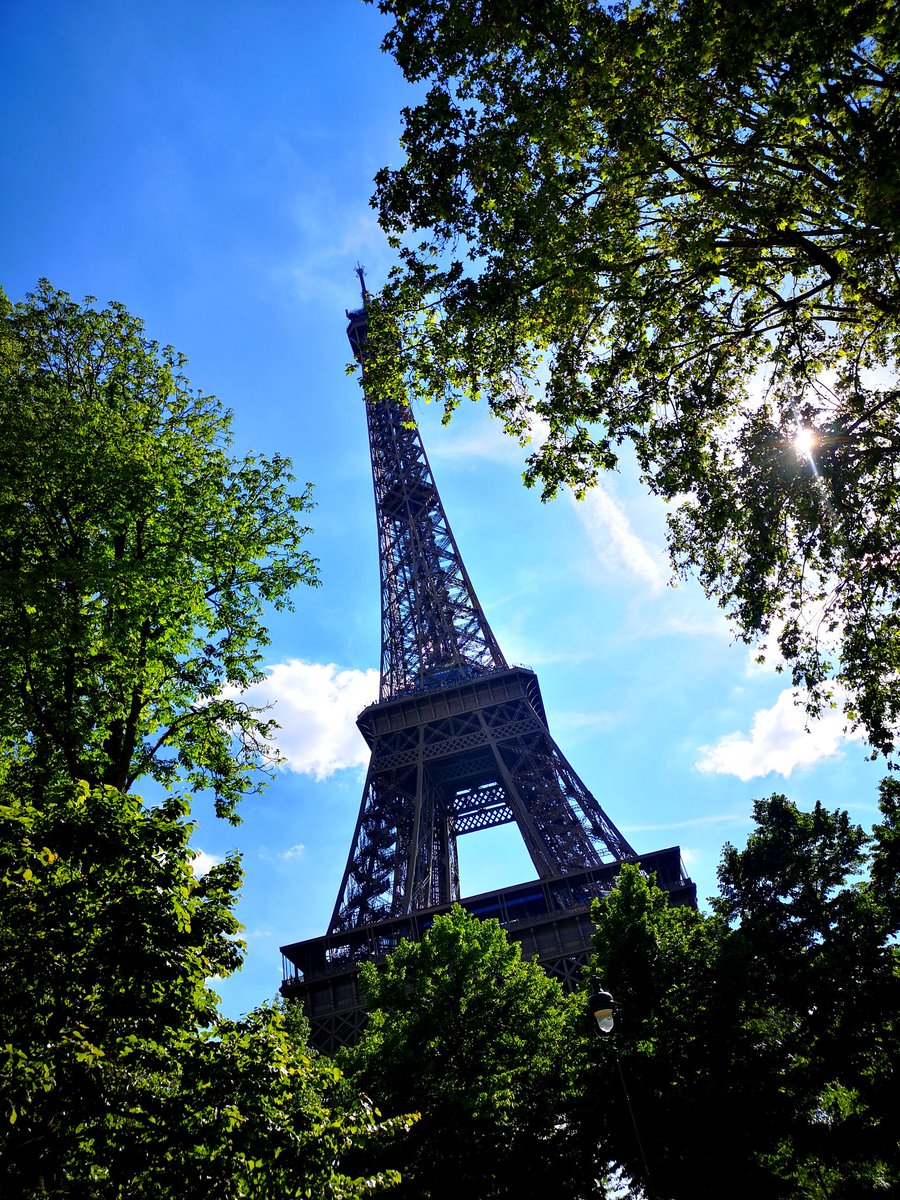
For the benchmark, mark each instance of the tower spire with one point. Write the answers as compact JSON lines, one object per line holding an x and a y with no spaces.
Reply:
{"x":433,"y":630}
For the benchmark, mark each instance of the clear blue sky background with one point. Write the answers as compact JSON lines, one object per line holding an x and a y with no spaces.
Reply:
{"x":210,"y":165}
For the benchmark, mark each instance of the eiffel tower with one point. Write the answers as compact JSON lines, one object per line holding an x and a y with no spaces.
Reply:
{"x":459,"y":743}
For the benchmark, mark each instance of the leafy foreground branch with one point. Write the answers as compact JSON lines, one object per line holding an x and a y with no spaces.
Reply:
{"x":673,"y":226}
{"x":119,"y":1078}
{"x":756,"y":1049}
{"x":136,"y":558}
{"x":481,"y":1043}
{"x":759,"y":1045}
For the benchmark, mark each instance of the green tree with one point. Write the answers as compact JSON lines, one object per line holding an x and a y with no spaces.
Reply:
{"x":758,"y":1044}
{"x":885,"y":870}
{"x":136,"y":555}
{"x":118,"y":1077}
{"x":479,"y":1042}
{"x":673,"y":224}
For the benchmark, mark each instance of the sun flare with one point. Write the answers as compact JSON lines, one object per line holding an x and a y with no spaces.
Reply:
{"x":805,"y":441}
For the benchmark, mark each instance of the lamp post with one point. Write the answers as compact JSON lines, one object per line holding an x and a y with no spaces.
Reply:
{"x":602,"y":1008}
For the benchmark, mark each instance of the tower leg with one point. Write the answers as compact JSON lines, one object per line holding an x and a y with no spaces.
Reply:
{"x":456,"y":763}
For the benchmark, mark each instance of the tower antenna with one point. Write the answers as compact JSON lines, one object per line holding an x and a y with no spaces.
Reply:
{"x":361,"y":274}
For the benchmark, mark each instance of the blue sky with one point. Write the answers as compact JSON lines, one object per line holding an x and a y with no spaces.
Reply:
{"x":210,"y":165}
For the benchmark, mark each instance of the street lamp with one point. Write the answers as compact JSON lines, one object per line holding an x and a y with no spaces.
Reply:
{"x":603,"y":1007}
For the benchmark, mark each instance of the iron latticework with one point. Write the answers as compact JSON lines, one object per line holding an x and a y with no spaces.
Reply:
{"x":433,"y":630}
{"x":459,"y":743}
{"x":459,"y":740}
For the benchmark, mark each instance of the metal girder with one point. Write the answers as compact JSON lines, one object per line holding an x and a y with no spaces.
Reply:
{"x":467,"y":771}
{"x":459,"y":741}
{"x":433,"y":628}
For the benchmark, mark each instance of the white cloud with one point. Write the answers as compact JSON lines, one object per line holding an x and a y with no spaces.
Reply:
{"x":763,"y":662}
{"x":585,"y":720}
{"x":203,"y":862}
{"x":782,"y":738}
{"x":282,"y":856}
{"x":316,"y":705}
{"x":614,"y":541}
{"x":293,"y":852}
{"x":484,"y":440}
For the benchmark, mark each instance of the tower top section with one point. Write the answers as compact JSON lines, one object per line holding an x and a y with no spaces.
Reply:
{"x":358,"y":318}
{"x":357,"y":331}
{"x":434,"y":633}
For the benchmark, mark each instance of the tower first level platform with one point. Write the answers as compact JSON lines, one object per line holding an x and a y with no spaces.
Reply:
{"x":550,"y":918}
{"x":453,"y":759}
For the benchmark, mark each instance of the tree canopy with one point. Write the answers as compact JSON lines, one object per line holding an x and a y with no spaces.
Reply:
{"x":671,"y":226}
{"x":118,"y":1076}
{"x":480,"y":1044}
{"x":136,"y":557}
{"x":758,"y":1043}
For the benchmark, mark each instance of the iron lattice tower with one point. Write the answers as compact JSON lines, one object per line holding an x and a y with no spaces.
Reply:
{"x":459,"y":740}
{"x":459,"y":743}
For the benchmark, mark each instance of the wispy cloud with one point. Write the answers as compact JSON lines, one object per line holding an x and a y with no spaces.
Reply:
{"x":331,"y":234}
{"x":293,"y":852}
{"x":203,"y":862}
{"x":523,"y":648}
{"x":316,"y":705}
{"x":262,"y":934}
{"x":679,"y":612}
{"x":585,"y":720}
{"x":615,"y":542}
{"x":483,"y":440}
{"x":782,"y":738}
{"x":731,"y":818}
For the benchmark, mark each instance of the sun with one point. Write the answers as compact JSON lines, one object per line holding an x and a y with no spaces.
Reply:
{"x":805,"y":441}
